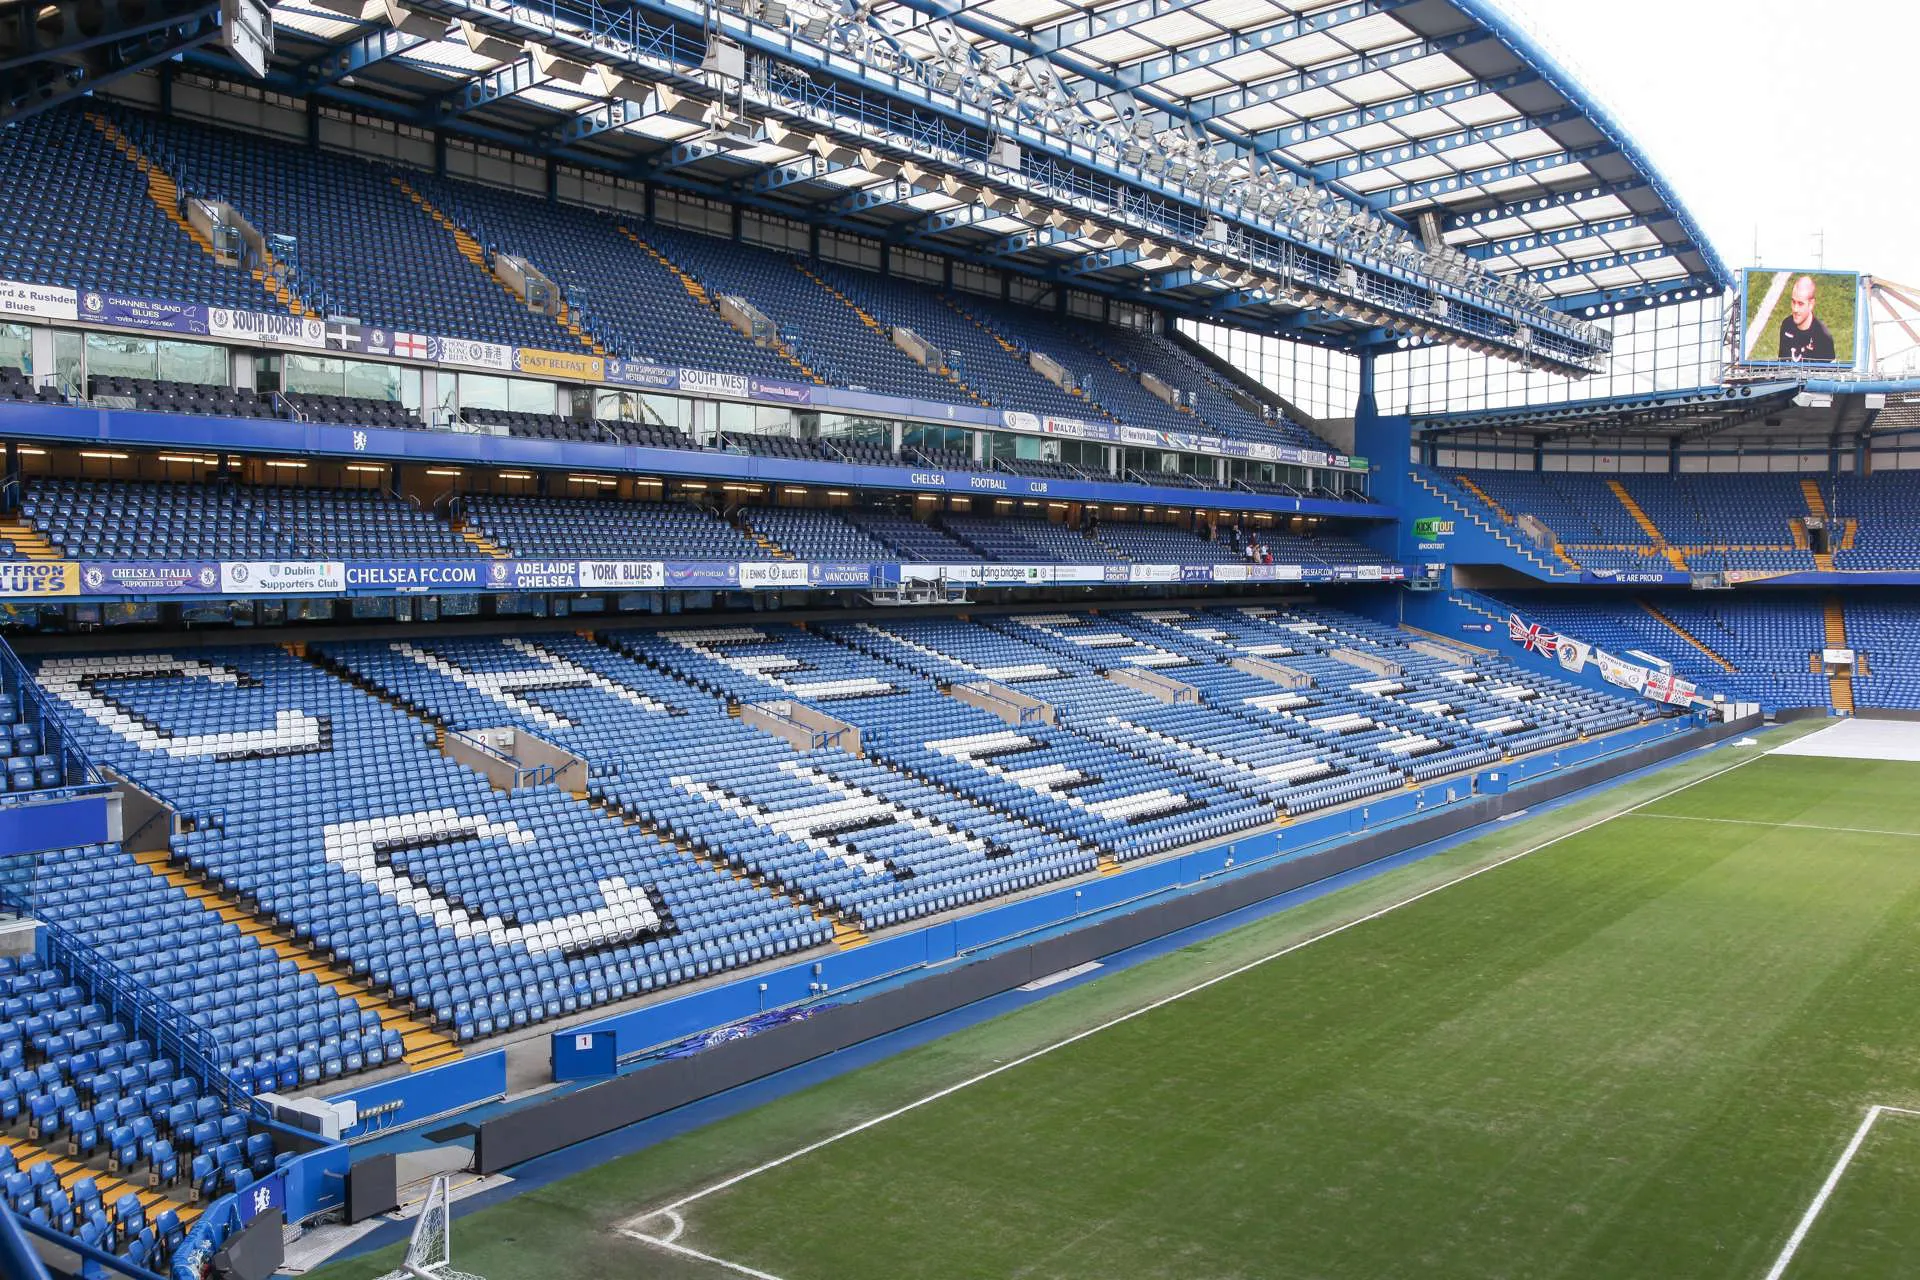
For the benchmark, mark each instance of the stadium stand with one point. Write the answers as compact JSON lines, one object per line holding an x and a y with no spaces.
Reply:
{"x":133,"y":520}
{"x":596,"y":527}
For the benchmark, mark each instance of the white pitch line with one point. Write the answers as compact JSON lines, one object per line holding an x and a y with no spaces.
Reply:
{"x":1826,"y":1189}
{"x":1797,"y":826}
{"x":863,"y":1126}
{"x":739,"y":1269}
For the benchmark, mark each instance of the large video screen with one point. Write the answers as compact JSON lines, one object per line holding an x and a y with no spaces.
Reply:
{"x":1800,"y":317}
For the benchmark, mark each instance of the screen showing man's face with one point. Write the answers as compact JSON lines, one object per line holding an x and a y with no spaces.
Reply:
{"x":1803,"y":291}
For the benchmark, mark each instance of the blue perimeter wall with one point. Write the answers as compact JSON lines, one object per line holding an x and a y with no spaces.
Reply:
{"x":411,"y":1099}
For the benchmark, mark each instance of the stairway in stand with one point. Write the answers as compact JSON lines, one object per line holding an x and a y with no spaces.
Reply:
{"x":885,"y":336}
{"x":1817,"y":510}
{"x":474,"y":538}
{"x":421,"y":1045}
{"x":698,"y":292}
{"x":1841,"y":681}
{"x":1687,"y":635}
{"x":165,"y":194}
{"x":473,"y":252}
{"x":28,"y":541}
{"x":1641,"y":518}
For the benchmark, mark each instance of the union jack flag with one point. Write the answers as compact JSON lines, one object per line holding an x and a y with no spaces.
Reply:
{"x":1532,"y":636}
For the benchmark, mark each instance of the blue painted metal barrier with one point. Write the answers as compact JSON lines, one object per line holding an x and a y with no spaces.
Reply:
{"x":643,"y":1030}
{"x":409,"y":1099}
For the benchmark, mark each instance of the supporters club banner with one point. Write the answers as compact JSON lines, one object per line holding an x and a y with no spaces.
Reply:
{"x":623,"y":575}
{"x":282,"y":577}
{"x":42,"y":301}
{"x":143,"y":313}
{"x":1574,"y":654}
{"x":1626,"y":675}
{"x":703,"y":574}
{"x":149,"y":578}
{"x":772,"y":575}
{"x":638,"y":373}
{"x":261,"y":328}
{"x":841,"y":575}
{"x":39,"y":579}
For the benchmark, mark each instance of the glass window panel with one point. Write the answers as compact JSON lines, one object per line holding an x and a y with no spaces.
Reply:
{"x":194,"y":362}
{"x":16,"y":347}
{"x":120,"y":355}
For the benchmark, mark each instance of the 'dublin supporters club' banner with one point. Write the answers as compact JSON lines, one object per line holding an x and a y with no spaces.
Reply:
{"x":1577,"y":655}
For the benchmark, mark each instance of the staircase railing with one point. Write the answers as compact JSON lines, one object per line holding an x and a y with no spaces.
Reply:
{"x":76,"y":767}
{"x":171,"y":1031}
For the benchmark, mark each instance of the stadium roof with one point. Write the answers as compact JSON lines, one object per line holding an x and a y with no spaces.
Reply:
{"x":1221,"y":158}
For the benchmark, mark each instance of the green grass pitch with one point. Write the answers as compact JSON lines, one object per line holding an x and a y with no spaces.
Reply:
{"x":1635,"y":1051}
{"x":1835,"y":307}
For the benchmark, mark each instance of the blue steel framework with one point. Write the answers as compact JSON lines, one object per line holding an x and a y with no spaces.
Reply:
{"x":1277,"y":171}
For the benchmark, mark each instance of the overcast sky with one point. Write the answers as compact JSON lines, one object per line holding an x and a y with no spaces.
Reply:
{"x":1781,"y":117}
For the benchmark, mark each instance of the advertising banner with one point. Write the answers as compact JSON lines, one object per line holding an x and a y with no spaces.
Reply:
{"x":1079,"y":573}
{"x":383,"y":577}
{"x":840,"y":575}
{"x":638,"y":373}
{"x":703,"y":573}
{"x":772,"y":574}
{"x":1197,"y":572}
{"x":282,"y":577}
{"x":537,"y":575}
{"x":703,"y":382}
{"x":622,"y":575}
{"x":45,"y":301}
{"x":1015,"y":575}
{"x":1153,"y":573}
{"x":466,"y":354}
{"x":142,"y":313}
{"x":572,"y":365}
{"x":39,"y":578}
{"x":260,"y":327}
{"x":1624,"y":674}
{"x":149,"y":578}
{"x":780,"y":392}
{"x":1574,"y":654}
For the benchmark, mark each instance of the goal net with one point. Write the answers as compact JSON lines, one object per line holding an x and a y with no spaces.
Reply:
{"x":430,"y":1250}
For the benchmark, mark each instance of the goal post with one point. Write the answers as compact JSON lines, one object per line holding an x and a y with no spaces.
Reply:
{"x":430,"y":1248}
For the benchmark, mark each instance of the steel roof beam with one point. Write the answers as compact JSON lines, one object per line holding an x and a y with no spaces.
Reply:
{"x":1435,"y":188}
{"x":606,"y":117}
{"x":1555,"y":238}
{"x":1091,"y":26}
{"x":1593,"y":266}
{"x":1284,"y":86}
{"x":503,"y":82}
{"x":1439,"y":144}
{"x":1461,"y":219}
{"x":1356,"y":117}
{"x":1640,"y":294}
{"x":344,"y":60}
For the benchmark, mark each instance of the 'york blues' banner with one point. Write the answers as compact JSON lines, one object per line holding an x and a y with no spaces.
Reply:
{"x":622,"y":575}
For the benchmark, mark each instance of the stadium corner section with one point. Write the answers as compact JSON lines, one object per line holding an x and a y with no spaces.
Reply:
{"x":675,"y":1097}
